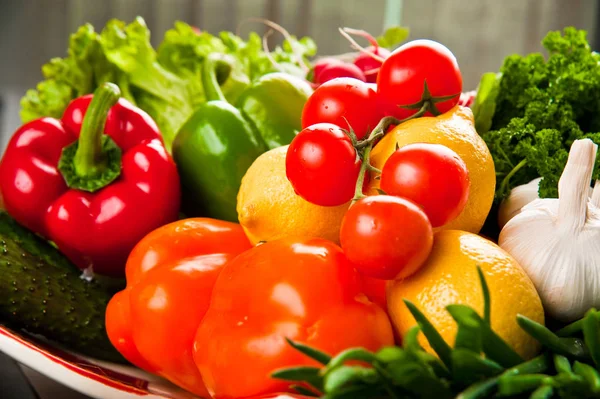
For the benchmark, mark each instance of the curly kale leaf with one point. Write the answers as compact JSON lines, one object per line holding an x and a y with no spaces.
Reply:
{"x":541,"y":107}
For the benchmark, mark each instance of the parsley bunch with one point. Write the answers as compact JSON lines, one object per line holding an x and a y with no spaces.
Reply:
{"x":531,"y":112}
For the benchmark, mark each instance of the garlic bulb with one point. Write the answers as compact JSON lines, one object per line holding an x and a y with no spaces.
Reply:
{"x":517,"y":199}
{"x":557,"y":241}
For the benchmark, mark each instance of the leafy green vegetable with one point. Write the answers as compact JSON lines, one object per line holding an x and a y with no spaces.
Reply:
{"x":539,"y":107}
{"x":84,"y":68}
{"x":165,"y":82}
{"x":484,"y":104}
{"x":393,"y":36}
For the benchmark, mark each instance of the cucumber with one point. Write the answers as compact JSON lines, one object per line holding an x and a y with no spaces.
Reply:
{"x":42,"y":292}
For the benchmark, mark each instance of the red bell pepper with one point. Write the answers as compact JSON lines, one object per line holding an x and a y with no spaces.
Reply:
{"x":95,"y":182}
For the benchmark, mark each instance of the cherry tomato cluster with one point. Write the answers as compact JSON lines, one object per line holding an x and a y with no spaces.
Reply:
{"x":390,"y":236}
{"x":423,"y":186}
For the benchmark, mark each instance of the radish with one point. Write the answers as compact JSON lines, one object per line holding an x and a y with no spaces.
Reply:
{"x":370,"y":59}
{"x":339,"y":70}
{"x":369,"y":65}
{"x":322,"y":64}
{"x":466,"y":99}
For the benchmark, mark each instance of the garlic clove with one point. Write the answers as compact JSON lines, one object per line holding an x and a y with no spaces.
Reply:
{"x":517,"y":199}
{"x":521,"y":196}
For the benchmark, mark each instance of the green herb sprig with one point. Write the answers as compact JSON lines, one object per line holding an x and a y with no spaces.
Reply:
{"x":530,"y":113}
{"x":480,"y":364}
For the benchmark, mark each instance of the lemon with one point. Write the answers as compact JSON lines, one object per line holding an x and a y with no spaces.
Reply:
{"x":268,"y":208}
{"x":454,"y":129}
{"x":450,"y":277}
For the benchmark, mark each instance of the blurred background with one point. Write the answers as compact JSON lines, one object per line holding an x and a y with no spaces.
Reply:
{"x":480,"y":33}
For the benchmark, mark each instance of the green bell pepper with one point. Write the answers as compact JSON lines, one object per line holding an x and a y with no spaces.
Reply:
{"x":213,"y":150}
{"x":216,"y":146}
{"x":274,"y":107}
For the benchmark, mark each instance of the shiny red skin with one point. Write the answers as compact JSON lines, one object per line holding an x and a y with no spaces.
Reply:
{"x":170,"y":276}
{"x":339,"y":70}
{"x":375,"y":289}
{"x":430,"y":175}
{"x":322,"y":64}
{"x":93,"y":229}
{"x":301,"y":289}
{"x":369,"y":65}
{"x":345,"y":102}
{"x":402,"y":76}
{"x":386,"y":237}
{"x":322,"y":166}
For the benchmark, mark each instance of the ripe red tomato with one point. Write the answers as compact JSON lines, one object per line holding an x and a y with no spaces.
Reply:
{"x":345,"y":102}
{"x":369,"y":65}
{"x":430,"y":175}
{"x":402,"y":76}
{"x":322,"y":165}
{"x":386,"y":237}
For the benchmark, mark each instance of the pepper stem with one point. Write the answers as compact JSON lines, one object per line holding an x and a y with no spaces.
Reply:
{"x":210,"y":81}
{"x":93,"y":161}
{"x":90,"y":159}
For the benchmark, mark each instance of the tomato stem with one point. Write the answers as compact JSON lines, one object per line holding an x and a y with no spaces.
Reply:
{"x":428,"y":100}
{"x":373,"y":169}
{"x":366,"y":146}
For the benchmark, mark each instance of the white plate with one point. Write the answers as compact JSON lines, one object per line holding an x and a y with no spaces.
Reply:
{"x":94,"y":378}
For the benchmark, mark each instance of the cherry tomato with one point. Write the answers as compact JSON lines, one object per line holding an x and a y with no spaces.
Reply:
{"x":369,"y":65}
{"x":345,"y":102}
{"x":301,"y":289}
{"x":430,"y":175}
{"x":322,"y":165}
{"x":403,"y":74}
{"x":386,"y":237}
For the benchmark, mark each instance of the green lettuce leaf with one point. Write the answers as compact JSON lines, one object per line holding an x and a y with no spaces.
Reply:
{"x":393,"y":36}
{"x":165,"y":82}
{"x":484,"y":104}
{"x":79,"y":73}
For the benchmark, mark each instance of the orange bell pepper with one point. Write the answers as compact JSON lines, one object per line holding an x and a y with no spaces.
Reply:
{"x":301,"y":289}
{"x":170,"y":277}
